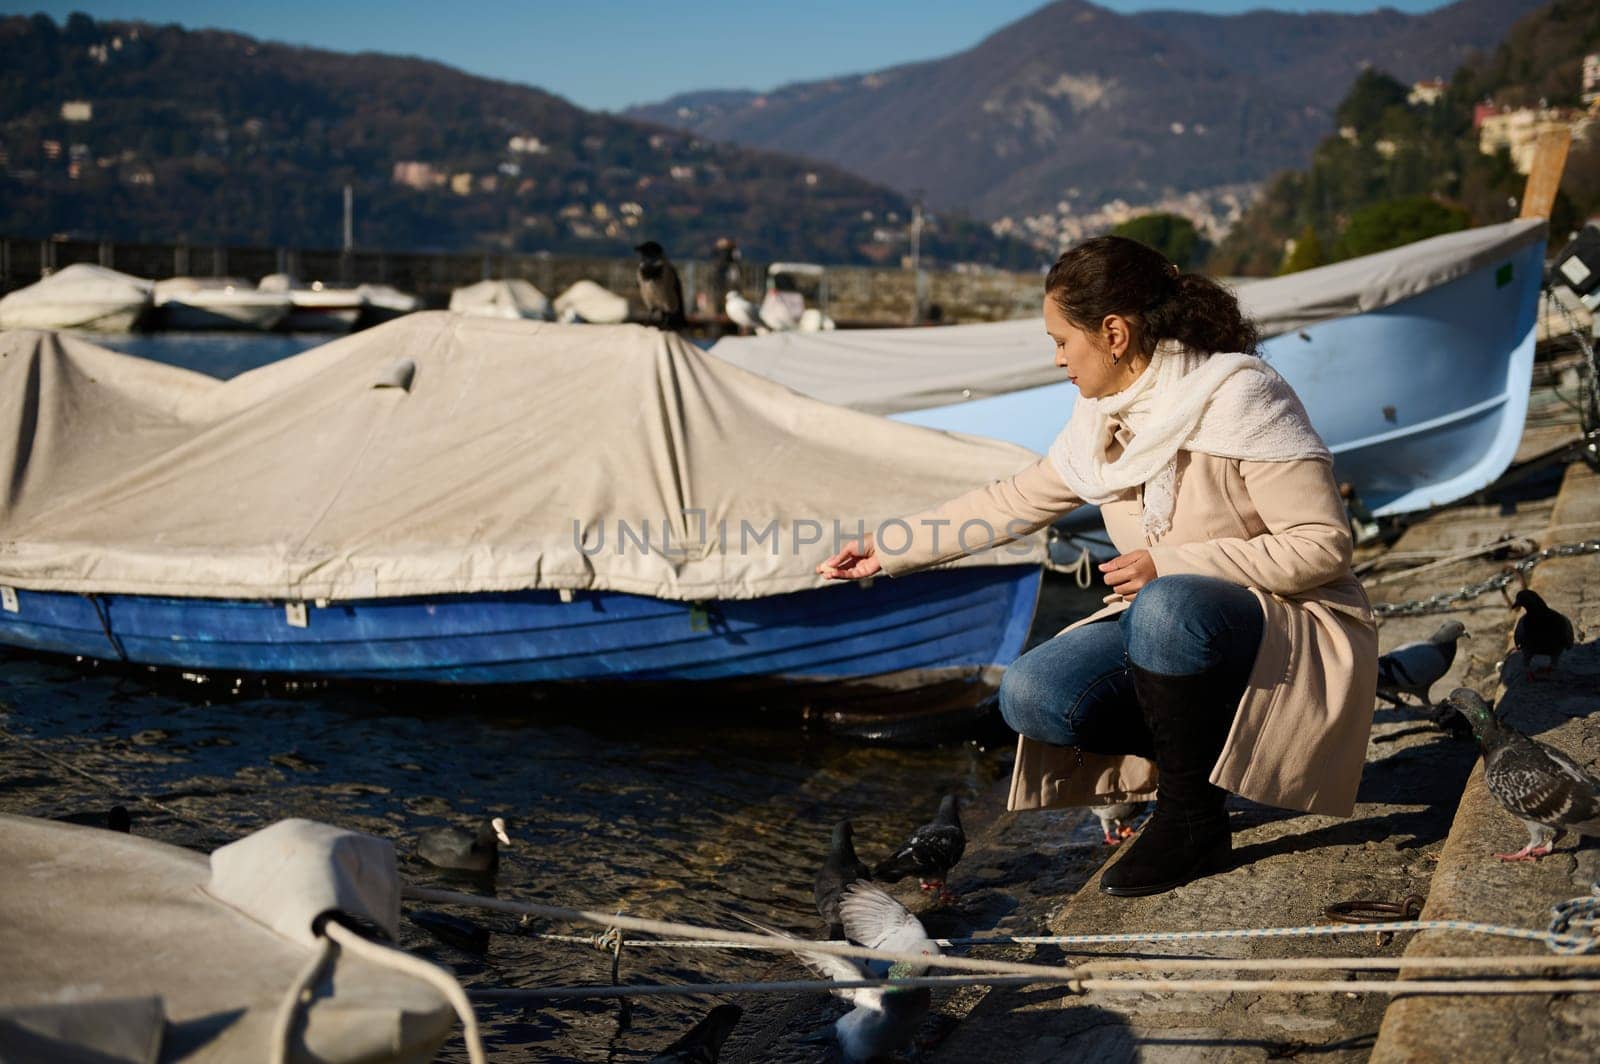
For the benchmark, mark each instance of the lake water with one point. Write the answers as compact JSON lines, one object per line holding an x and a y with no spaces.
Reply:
{"x":613,"y":803}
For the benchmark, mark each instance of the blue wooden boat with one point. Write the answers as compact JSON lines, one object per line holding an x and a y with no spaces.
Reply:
{"x":79,"y":572}
{"x":934,"y":626}
{"x":1414,"y":365}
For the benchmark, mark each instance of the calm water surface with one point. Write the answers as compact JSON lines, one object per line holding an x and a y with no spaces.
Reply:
{"x":613,"y":804}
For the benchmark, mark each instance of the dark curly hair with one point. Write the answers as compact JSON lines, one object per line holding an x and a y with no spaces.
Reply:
{"x":1116,"y":275}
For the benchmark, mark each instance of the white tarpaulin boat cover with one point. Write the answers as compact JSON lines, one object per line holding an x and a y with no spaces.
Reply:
{"x":77,"y":295}
{"x":515,"y":298}
{"x":122,"y":948}
{"x":591,"y":302}
{"x":443,"y":454}
{"x":889,"y":371}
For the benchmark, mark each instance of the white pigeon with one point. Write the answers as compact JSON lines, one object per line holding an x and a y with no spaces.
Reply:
{"x":744,"y":313}
{"x":884,"y":1019}
{"x":1415,"y":667}
{"x":1116,"y":820}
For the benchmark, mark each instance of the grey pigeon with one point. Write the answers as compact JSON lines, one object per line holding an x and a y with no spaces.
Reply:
{"x":702,"y":1044}
{"x":1539,"y":785}
{"x":841,"y":869}
{"x":456,"y":850}
{"x":1412,"y":669}
{"x":884,"y":1019}
{"x":1541,"y":631}
{"x":930,"y":852}
{"x":1116,"y":820}
{"x":659,"y":287}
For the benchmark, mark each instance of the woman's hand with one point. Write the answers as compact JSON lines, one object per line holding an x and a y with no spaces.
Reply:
{"x":856,"y":561}
{"x":1127,"y":573}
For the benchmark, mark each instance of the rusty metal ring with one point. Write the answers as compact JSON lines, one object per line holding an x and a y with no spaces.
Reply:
{"x":1375,"y":912}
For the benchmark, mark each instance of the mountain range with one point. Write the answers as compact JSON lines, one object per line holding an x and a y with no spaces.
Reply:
{"x":1079,"y":103}
{"x":129,"y":131}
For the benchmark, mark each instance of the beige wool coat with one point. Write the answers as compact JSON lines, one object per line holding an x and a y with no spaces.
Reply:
{"x":1299,"y":738}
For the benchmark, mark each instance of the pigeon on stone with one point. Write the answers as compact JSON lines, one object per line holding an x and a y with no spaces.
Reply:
{"x":456,"y":850}
{"x":841,"y":869}
{"x":1541,"y":631}
{"x":659,"y":287}
{"x":884,"y":1019}
{"x":702,"y":1044}
{"x":1412,"y":669}
{"x":930,"y":852}
{"x":1116,"y":820}
{"x":1539,"y":785}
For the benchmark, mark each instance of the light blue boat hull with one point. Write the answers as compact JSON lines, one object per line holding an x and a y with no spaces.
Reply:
{"x":1421,"y":402}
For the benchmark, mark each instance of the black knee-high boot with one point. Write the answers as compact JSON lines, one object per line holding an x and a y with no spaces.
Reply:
{"x":1187,"y":836}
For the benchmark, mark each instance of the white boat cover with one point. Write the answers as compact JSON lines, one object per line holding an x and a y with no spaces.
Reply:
{"x":443,"y":454}
{"x":115,"y":943}
{"x":388,"y":297}
{"x":514,"y":298}
{"x":591,"y":302}
{"x":888,"y":371}
{"x":71,"y":296}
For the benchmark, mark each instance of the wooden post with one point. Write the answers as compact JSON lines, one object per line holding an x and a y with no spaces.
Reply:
{"x":1544,"y":176}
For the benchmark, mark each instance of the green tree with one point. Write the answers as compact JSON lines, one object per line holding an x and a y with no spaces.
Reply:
{"x":1392,"y":223}
{"x":1307,"y":252}
{"x":1171,"y":234}
{"x":1372,"y":95}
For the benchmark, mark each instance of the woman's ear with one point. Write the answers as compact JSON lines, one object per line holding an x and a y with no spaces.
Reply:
{"x":1116,"y":335}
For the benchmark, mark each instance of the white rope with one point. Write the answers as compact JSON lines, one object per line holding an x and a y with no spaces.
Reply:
{"x":1071,"y":976}
{"x":1072,"y":985}
{"x":1506,"y":540}
{"x":440,"y":979}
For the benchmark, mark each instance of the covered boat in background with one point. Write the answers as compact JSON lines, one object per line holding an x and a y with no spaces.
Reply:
{"x":314,"y":307}
{"x":469,"y":500}
{"x":1414,"y":364}
{"x":218,"y":303}
{"x":80,"y":296}
{"x":591,"y":302}
{"x":514,"y":299}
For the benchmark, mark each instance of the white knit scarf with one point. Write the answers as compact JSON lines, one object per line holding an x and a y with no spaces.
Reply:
{"x":1228,"y":405}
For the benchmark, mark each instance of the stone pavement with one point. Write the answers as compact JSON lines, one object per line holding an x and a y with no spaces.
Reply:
{"x":1471,"y":885}
{"x":1036,"y":873}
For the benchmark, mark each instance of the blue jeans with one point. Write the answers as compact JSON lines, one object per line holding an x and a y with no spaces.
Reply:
{"x":1076,"y":690}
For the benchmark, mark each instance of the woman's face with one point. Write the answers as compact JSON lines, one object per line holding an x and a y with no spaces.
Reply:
{"x":1086,"y":358}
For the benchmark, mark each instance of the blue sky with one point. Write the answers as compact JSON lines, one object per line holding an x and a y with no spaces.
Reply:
{"x":607,"y":54}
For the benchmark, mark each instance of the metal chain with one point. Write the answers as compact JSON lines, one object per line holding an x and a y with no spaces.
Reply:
{"x":1589,"y":405}
{"x":1444,"y":601}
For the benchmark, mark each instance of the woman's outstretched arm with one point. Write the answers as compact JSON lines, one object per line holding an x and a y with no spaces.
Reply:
{"x":995,"y":514}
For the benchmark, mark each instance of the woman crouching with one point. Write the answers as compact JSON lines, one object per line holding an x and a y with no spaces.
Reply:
{"x":1236,"y":652}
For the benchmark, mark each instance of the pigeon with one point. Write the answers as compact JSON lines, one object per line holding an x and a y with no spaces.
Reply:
{"x":930,"y":852}
{"x":841,"y":869}
{"x":456,"y":850}
{"x":659,"y":287}
{"x":1413,"y":668}
{"x":1539,"y":785}
{"x":884,"y":1019}
{"x":1541,"y":631}
{"x":1115,"y":820}
{"x":703,"y":1044}
{"x":744,"y":313}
